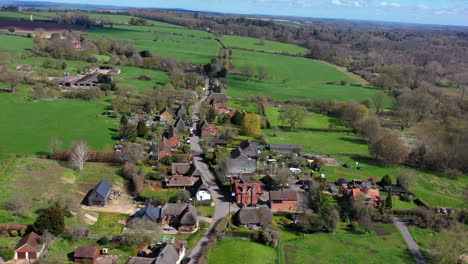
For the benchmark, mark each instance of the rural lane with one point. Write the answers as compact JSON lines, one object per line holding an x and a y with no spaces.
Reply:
{"x":401,"y":224}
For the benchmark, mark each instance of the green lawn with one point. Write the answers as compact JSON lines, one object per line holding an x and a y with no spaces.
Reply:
{"x":238,"y":251}
{"x":347,"y":248}
{"x":267,"y":45}
{"x":15,"y":43}
{"x":207,"y":211}
{"x":160,"y":195}
{"x":107,"y":224}
{"x":9,"y":242}
{"x":292,"y":77}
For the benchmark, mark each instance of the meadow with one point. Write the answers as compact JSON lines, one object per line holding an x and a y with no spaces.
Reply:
{"x":293,"y":77}
{"x":239,"y":251}
{"x":15,"y":43}
{"x":265,"y":45}
{"x":13,"y":15}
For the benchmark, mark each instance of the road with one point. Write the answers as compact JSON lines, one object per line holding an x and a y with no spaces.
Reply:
{"x":401,"y":224}
{"x":222,"y":206}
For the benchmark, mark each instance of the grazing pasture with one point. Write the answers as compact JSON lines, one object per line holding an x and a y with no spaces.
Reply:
{"x":238,"y":251}
{"x":293,"y":77}
{"x":262,"y":45}
{"x":15,"y":43}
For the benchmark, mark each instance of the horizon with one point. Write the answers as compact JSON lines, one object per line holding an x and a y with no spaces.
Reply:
{"x":444,"y":12}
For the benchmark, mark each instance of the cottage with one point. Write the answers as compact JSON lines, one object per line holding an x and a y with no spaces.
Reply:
{"x":87,"y":255}
{"x":219,"y":102}
{"x":182,"y":217}
{"x":371,"y":196}
{"x":209,"y":129}
{"x":285,"y":148}
{"x":247,"y":149}
{"x":29,"y":247}
{"x":99,"y":196}
{"x":254,"y":216}
{"x":203,"y":195}
{"x":172,"y":137}
{"x":172,"y":253}
{"x":181,"y":112}
{"x":246,"y":192}
{"x":185,"y":182}
{"x":148,"y":213}
{"x":166,"y":116}
{"x":160,"y":149}
{"x":283,"y":201}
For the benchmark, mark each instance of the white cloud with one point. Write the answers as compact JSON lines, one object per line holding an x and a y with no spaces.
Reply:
{"x":391,"y":4}
{"x":422,"y":6}
{"x":349,"y":3}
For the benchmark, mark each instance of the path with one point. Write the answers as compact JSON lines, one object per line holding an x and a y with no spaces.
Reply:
{"x":401,"y":224}
{"x":222,"y":206}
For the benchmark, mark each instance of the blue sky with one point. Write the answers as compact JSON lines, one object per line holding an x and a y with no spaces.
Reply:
{"x":445,"y":12}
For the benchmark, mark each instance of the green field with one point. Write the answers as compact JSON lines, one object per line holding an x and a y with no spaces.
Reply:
{"x":13,"y":15}
{"x":15,"y":43}
{"x":193,"y":49}
{"x":348,"y":248}
{"x":107,"y":224}
{"x":238,"y":251}
{"x":292,"y":77}
{"x":267,"y":45}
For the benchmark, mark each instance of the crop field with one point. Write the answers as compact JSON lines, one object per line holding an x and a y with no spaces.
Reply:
{"x":265,"y":45}
{"x":292,"y":77}
{"x":238,"y":251}
{"x":15,"y":43}
{"x":193,"y":49}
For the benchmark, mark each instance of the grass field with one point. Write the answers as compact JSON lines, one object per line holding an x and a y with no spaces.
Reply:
{"x":107,"y":224}
{"x":238,"y":251}
{"x":193,"y":49}
{"x":13,"y":15}
{"x":14,"y":43}
{"x":268,"y":46}
{"x":292,"y":77}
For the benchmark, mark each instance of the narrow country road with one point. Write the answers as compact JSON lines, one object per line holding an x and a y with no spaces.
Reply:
{"x":401,"y":224}
{"x":222,"y":206}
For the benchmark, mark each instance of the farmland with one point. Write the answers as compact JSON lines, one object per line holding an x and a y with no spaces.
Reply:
{"x":265,"y":45}
{"x":292,"y":77}
{"x":236,"y":250}
{"x":14,"y":43}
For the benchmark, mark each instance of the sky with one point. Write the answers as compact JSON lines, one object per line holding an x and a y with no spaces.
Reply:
{"x":443,"y":12}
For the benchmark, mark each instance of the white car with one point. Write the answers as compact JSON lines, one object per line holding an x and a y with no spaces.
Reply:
{"x":295,"y":170}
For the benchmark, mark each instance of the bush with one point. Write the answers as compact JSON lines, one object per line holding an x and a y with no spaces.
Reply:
{"x":7,"y":254}
{"x":13,"y":233}
{"x":453,"y":174}
{"x":103,"y":241}
{"x":386,"y":180}
{"x":51,"y":219}
{"x":270,"y":235}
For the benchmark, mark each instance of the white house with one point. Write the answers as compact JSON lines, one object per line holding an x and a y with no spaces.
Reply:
{"x":30,"y":247}
{"x":203,"y":195}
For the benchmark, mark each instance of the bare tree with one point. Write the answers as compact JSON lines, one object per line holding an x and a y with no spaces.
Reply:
{"x":79,"y":155}
{"x":55,"y":144}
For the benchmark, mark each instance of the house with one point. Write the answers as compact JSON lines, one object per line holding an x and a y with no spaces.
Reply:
{"x":29,"y":247}
{"x":99,"y":196}
{"x":160,"y":149}
{"x":172,"y":137}
{"x":180,"y":124}
{"x":166,"y":116}
{"x":254,"y":216}
{"x":341,"y":182}
{"x":185,"y":169}
{"x":168,"y":253}
{"x":182,"y":217}
{"x":209,"y":129}
{"x":218,"y":102}
{"x":283,"y":201}
{"x":247,"y":149}
{"x":285,"y":148}
{"x":148,"y":213}
{"x":371,"y":196}
{"x":203,"y":195}
{"x":236,"y":167}
{"x":181,"y":112}
{"x":185,"y":182}
{"x":247,"y":192}
{"x":86,"y":254}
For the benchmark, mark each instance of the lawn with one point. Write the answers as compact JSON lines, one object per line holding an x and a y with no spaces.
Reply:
{"x":207,"y":211}
{"x":266,"y":45}
{"x":107,"y":224}
{"x":160,"y":195}
{"x":15,"y":43}
{"x":292,"y":77}
{"x":9,"y":242}
{"x":185,"y":47}
{"x":239,"y":251}
{"x":347,"y":248}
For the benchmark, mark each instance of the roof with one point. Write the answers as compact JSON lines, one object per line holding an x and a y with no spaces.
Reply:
{"x":69,"y":79}
{"x":283,"y":195}
{"x":284,"y":147}
{"x":182,"y":181}
{"x":180,"y":124}
{"x":141,"y":260}
{"x":186,"y":212}
{"x":103,"y":188}
{"x":181,"y":168}
{"x":395,"y":188}
{"x":246,"y":149}
{"x":168,"y":255}
{"x":33,"y":240}
{"x":89,"y":78}
{"x":236,"y":166}
{"x":340,"y":181}
{"x":255,"y":215}
{"x":172,"y":132}
{"x":168,"y":110}
{"x":181,"y":111}
{"x":217,"y":97}
{"x":86,"y":252}
{"x":152,"y":212}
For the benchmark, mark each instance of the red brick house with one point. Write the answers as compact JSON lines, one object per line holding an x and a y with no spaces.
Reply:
{"x":283,"y":201}
{"x":246,"y":192}
{"x":371,"y":196}
{"x":86,"y":255}
{"x":209,"y":129}
{"x":219,"y":102}
{"x":29,"y":247}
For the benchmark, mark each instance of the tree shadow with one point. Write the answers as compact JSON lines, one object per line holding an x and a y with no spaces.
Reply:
{"x":354,"y":140}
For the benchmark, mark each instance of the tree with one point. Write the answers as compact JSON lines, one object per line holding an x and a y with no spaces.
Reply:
{"x":128,"y":132}
{"x":261,"y":72}
{"x":451,"y":246}
{"x":270,"y":235}
{"x":378,"y":101}
{"x":13,"y":79}
{"x":142,"y":130}
{"x":251,"y":124}
{"x":386,"y":180}
{"x":182,"y":196}
{"x":55,"y":144}
{"x":388,"y":201}
{"x":124,"y":120}
{"x":406,"y":178}
{"x":389,"y":150}
{"x":247,"y":71}
{"x":11,"y":29}
{"x":7,"y":253}
{"x":79,"y":155}
{"x":236,"y":119}
{"x":211,"y":115}
{"x":51,"y":219}
{"x":294,"y":115}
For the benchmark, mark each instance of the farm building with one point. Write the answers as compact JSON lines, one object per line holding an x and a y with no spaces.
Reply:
{"x":29,"y":247}
{"x":99,"y":196}
{"x":104,"y":70}
{"x":283,"y":201}
{"x":254,"y":216}
{"x":79,"y":82}
{"x":87,"y":255}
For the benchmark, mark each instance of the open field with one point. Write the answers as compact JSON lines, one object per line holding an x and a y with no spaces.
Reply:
{"x":348,"y":248}
{"x":13,"y":15}
{"x":292,"y":77}
{"x":107,"y":224}
{"x":193,"y":49}
{"x":238,"y":251}
{"x":28,"y":26}
{"x":15,"y":43}
{"x":266,"y":45}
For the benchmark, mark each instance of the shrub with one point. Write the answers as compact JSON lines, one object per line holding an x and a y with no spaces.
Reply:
{"x":453,"y":174}
{"x":51,"y":219}
{"x":7,"y":253}
{"x":103,"y":241}
{"x":270,"y":235}
{"x":13,"y":233}
{"x":386,"y":180}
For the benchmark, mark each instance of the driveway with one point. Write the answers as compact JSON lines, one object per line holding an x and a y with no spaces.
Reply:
{"x":401,"y":224}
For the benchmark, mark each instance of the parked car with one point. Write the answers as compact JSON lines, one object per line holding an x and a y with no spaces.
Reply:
{"x":295,"y":170}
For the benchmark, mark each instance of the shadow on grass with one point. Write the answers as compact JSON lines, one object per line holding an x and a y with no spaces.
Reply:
{"x":354,"y":140}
